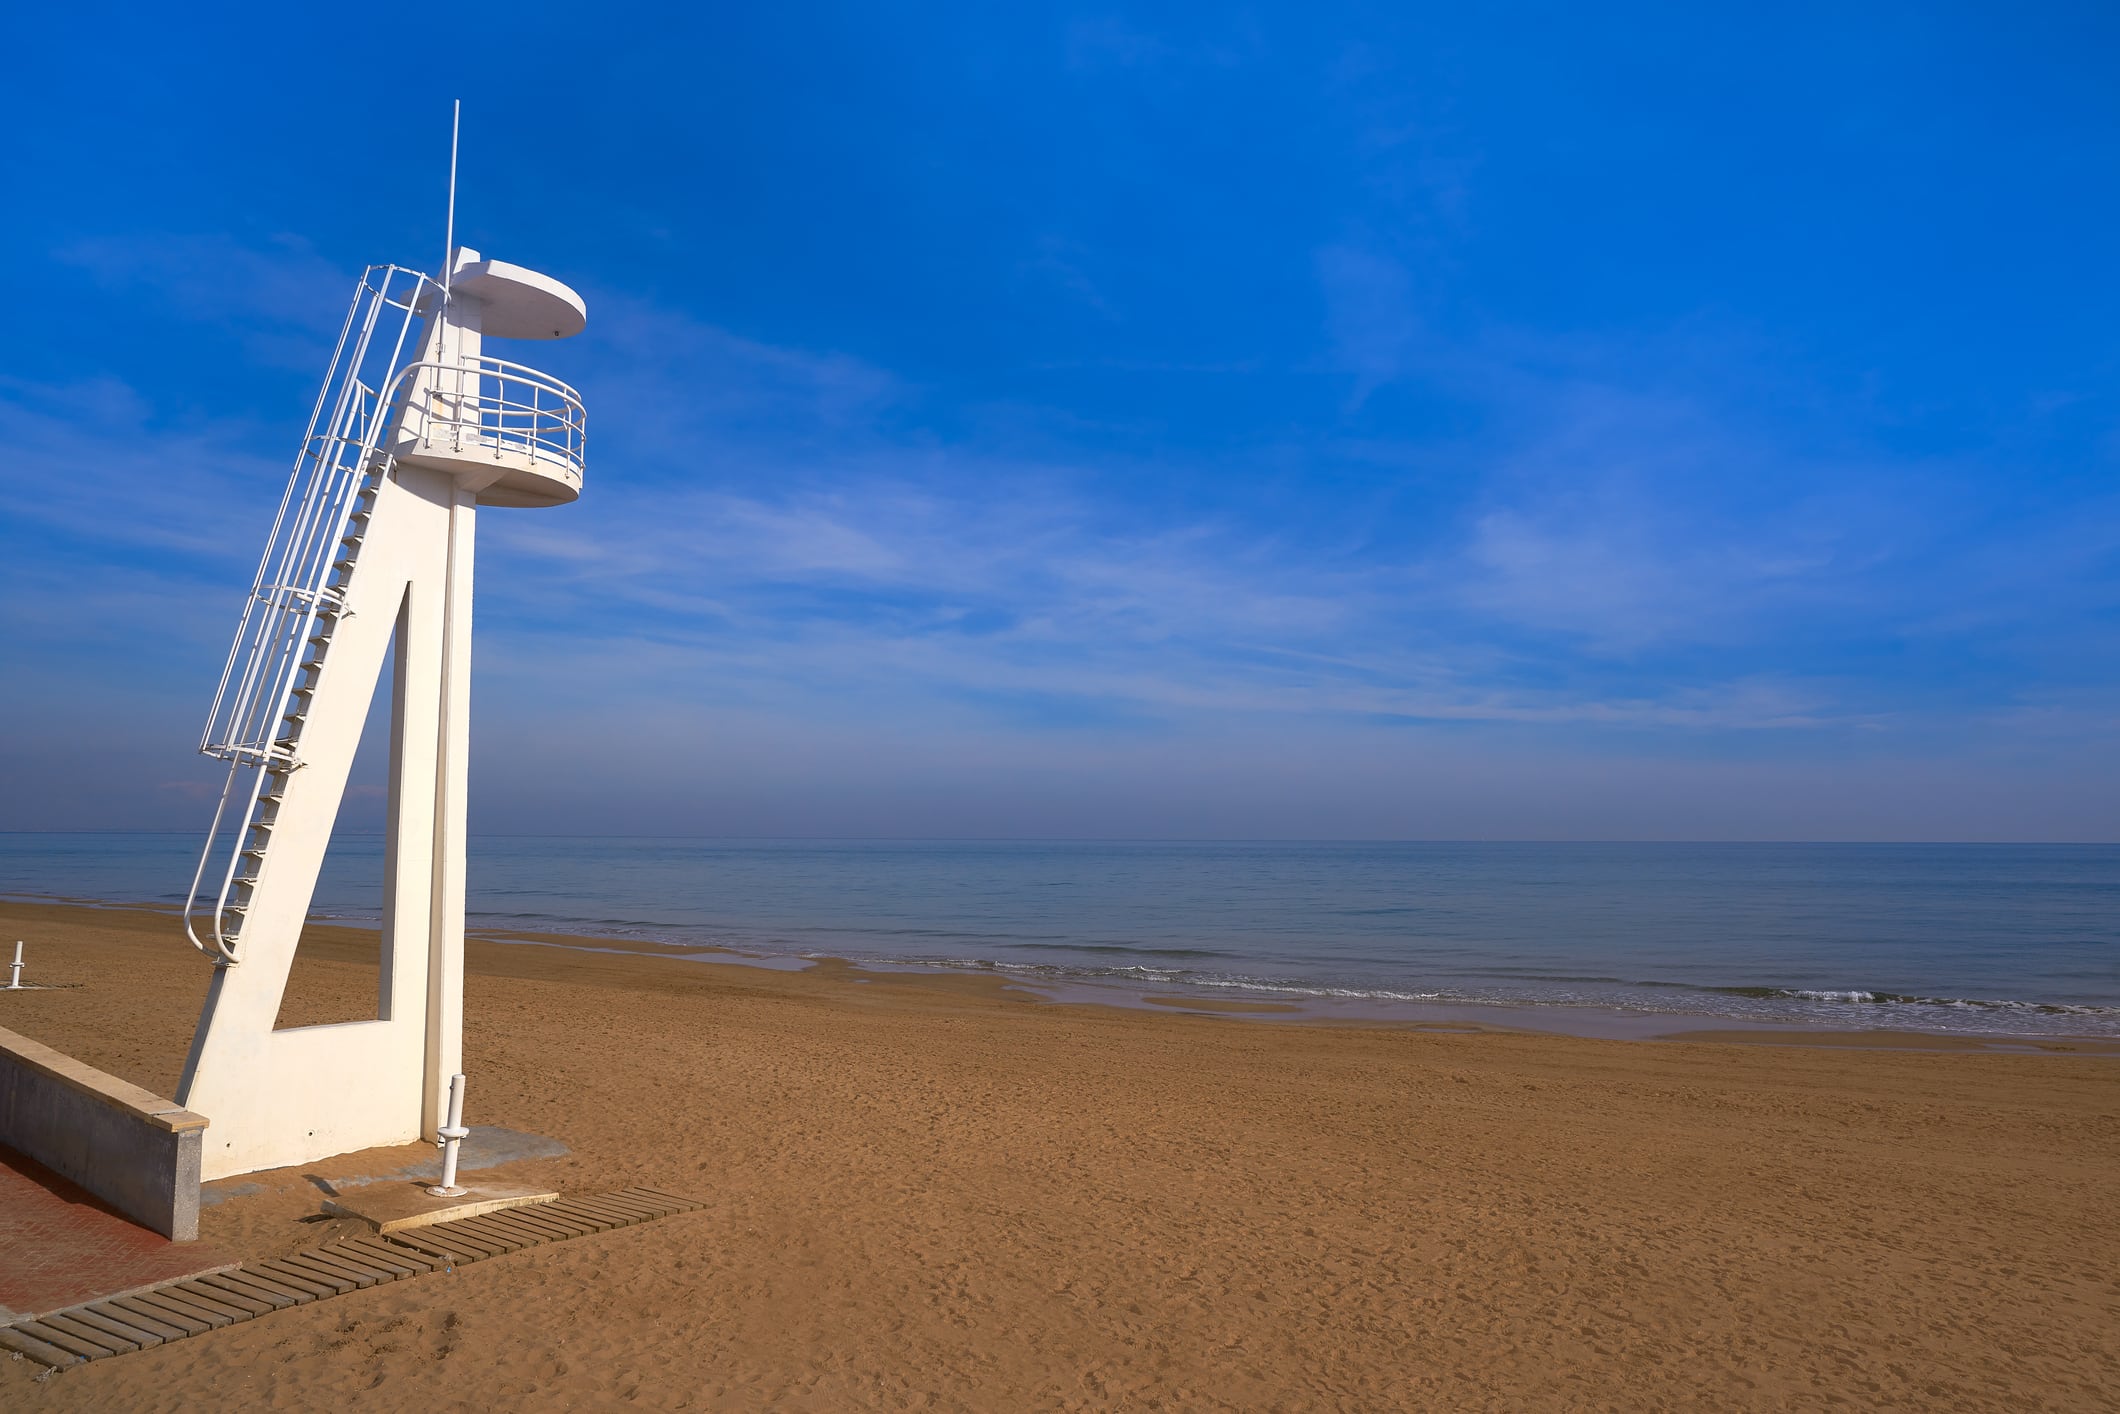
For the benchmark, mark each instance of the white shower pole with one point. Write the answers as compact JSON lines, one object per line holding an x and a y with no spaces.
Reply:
{"x":14,"y":978}
{"x":453,"y":1134}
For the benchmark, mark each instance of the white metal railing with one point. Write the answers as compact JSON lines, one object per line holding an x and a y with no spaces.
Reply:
{"x":292,"y":592}
{"x":491,"y":408}
{"x":293,"y":579}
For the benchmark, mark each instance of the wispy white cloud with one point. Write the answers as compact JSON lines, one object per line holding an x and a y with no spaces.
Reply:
{"x":92,"y":460}
{"x":1058,"y":263}
{"x":286,"y":299}
{"x":880,"y":594}
{"x":1370,"y":316}
{"x":669,"y":383}
{"x":781,"y":534}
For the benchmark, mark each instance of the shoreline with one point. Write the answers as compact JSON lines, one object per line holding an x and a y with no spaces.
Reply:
{"x":1587,"y":1021}
{"x":1581,"y":1021}
{"x":2004,"y":941}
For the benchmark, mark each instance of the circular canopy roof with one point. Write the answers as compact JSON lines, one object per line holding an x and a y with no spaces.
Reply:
{"x":519,"y":303}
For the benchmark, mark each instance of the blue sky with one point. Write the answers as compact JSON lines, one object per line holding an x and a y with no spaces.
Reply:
{"x":1651,"y":421}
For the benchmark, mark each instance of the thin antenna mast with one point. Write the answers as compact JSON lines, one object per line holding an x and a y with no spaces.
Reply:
{"x":456,"y":124}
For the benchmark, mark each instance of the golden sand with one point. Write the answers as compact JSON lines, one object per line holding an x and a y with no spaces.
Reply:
{"x":930,"y":1192}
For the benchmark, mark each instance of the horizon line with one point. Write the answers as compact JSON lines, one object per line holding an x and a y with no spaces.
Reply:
{"x":1154,"y":839}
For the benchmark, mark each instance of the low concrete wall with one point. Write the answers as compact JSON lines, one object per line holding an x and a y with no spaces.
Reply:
{"x":133,"y":1149}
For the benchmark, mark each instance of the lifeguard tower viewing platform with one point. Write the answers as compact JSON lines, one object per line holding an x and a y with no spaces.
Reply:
{"x":507,"y":433}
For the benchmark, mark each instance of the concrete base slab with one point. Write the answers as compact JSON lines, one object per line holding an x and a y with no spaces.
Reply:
{"x":489,"y":1146}
{"x":392,"y":1207}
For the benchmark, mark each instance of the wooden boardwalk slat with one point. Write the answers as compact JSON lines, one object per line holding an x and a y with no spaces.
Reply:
{"x":519,"y":1220}
{"x":257,"y":1281}
{"x":514,"y":1233}
{"x":194,"y":1321}
{"x":65,"y":1340}
{"x":561,"y":1228}
{"x":333,"y":1283}
{"x":674,"y":1202}
{"x":617,"y":1217}
{"x":297,"y":1279}
{"x":205,"y":1298}
{"x":350,"y":1251}
{"x":684,"y":1205}
{"x":534,"y":1233}
{"x":479,"y":1230}
{"x":584,"y":1213}
{"x":646,"y":1212}
{"x":213,"y":1313}
{"x":583,"y":1224}
{"x":567,"y":1210}
{"x":135,"y":1330}
{"x":328,"y":1270}
{"x":94,"y":1335}
{"x":196,"y":1290}
{"x":509,"y":1230}
{"x":42,"y":1351}
{"x":456,"y":1237}
{"x":456,"y":1252}
{"x":192,"y":1306}
{"x":547,"y":1229}
{"x":654,"y":1203}
{"x":486,"y":1243}
{"x":355,"y":1266}
{"x":367,"y":1274}
{"x":279,"y":1297}
{"x":378,"y":1249}
{"x":161,"y":1325}
{"x":134,"y":1319}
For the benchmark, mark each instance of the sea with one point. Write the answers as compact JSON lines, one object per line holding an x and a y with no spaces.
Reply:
{"x":1973,"y":939}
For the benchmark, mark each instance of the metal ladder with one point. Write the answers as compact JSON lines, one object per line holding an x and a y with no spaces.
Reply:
{"x":298,"y":597}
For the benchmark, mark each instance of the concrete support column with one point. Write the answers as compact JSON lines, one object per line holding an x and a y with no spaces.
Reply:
{"x":445,"y":953}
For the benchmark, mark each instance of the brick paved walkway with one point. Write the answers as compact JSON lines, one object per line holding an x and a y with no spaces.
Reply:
{"x":60,"y":1245}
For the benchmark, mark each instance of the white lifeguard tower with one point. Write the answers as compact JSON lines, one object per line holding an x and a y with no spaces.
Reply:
{"x":416,"y":428}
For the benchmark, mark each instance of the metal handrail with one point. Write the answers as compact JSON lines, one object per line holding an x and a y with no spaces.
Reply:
{"x":292,"y":587}
{"x":496,"y":406}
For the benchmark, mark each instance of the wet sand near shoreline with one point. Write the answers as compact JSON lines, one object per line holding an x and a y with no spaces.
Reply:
{"x":937,"y":1191}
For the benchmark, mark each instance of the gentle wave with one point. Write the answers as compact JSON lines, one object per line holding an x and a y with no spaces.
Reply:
{"x":1511,"y":987}
{"x":1124,"y":950}
{"x":1865,"y":997}
{"x":1797,"y":1006}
